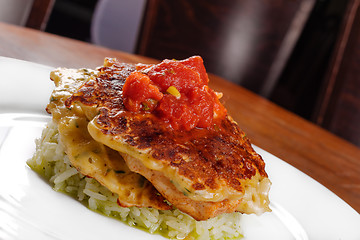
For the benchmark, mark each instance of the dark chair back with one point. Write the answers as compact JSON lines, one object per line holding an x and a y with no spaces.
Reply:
{"x":339,"y":104}
{"x":39,"y":14}
{"x":245,"y":41}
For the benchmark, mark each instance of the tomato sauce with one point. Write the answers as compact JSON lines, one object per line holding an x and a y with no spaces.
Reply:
{"x":175,"y":91}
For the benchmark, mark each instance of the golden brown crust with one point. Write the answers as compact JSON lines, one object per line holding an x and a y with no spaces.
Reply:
{"x":199,"y":154}
{"x":106,"y":89}
{"x":206,"y":157}
{"x":92,"y":158}
{"x":199,"y":210}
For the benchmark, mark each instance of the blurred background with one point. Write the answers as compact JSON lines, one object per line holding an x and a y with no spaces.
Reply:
{"x":303,"y":55}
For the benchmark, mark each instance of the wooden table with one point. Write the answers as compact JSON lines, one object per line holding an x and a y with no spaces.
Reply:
{"x":328,"y":159}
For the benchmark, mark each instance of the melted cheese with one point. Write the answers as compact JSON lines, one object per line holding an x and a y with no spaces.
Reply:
{"x":92,"y":158}
{"x":182,"y":183}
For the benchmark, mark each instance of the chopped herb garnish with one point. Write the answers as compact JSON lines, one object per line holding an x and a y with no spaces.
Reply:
{"x":186,"y":192}
{"x":145,"y":106}
{"x":167,"y":202}
{"x":171,"y":70}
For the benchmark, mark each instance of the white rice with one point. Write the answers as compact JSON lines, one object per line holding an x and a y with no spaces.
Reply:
{"x":51,"y":162}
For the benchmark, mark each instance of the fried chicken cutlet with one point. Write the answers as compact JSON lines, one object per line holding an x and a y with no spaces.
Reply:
{"x":171,"y":128}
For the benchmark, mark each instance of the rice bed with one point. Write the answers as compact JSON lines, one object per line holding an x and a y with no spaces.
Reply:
{"x":51,"y":162}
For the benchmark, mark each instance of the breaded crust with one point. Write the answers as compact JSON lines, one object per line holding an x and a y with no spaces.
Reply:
{"x":204,"y":164}
{"x":90,"y":157}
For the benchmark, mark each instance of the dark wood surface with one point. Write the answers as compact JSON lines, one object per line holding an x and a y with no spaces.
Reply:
{"x":330,"y":160}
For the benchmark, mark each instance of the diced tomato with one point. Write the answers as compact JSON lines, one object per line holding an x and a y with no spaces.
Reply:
{"x":174,"y":73}
{"x":137,"y":91}
{"x":196,"y":63}
{"x":203,"y":105}
{"x":193,"y":105}
{"x":177,"y":112}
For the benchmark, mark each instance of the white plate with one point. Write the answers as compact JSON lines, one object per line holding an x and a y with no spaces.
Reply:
{"x":30,"y":209}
